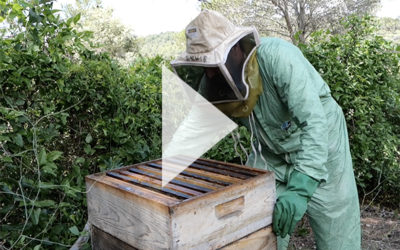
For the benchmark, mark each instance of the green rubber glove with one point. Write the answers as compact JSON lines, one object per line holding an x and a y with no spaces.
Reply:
{"x":292,"y":204}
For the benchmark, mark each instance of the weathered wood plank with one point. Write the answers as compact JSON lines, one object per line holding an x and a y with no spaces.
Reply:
{"x":246,"y":172}
{"x":147,"y":185}
{"x":130,"y":189}
{"x":216,"y":176}
{"x":157,"y":182}
{"x":258,"y":198}
{"x":104,"y":241}
{"x":173,"y":181}
{"x":229,"y":164}
{"x":230,"y":208}
{"x":144,"y":216}
{"x":197,"y":176}
{"x":213,"y":168}
{"x":263,"y":239}
{"x":202,"y":183}
{"x":139,"y":222}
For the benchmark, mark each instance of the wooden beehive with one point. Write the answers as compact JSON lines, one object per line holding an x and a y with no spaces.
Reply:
{"x":207,"y":206}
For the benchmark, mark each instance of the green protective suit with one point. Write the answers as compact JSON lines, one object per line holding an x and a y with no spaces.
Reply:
{"x":299,"y":126}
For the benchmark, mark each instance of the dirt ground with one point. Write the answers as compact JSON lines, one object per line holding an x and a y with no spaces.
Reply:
{"x":380,"y":230}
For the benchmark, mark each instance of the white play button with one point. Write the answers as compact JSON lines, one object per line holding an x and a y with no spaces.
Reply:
{"x":190,"y":125}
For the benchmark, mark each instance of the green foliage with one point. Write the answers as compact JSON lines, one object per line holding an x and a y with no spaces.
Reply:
{"x":79,"y":6}
{"x":362,"y":71}
{"x":233,"y":148}
{"x":65,"y":112}
{"x":108,"y":33}
{"x":290,"y":19}
{"x":167,"y":44}
{"x":389,"y":28}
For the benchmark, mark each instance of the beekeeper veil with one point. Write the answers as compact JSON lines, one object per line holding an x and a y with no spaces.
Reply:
{"x":211,"y":64}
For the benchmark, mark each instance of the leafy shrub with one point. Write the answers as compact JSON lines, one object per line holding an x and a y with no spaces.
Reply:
{"x":234,"y":148}
{"x":362,"y":71}
{"x":65,"y":112}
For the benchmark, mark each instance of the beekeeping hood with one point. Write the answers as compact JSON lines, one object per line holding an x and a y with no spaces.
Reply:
{"x":210,"y":39}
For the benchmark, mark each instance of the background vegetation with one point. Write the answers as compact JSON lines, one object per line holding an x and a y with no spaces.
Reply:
{"x":294,"y":20}
{"x":70,"y":107}
{"x":362,"y":71}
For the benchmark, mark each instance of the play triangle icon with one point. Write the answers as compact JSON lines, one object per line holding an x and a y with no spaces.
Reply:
{"x":190,"y":125}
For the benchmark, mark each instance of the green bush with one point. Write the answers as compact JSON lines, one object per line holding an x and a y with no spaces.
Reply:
{"x":233,"y":148}
{"x":65,"y":112}
{"x":362,"y":71}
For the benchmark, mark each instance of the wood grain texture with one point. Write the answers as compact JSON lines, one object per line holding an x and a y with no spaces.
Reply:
{"x":130,"y":189}
{"x":203,"y":173}
{"x":236,"y":166}
{"x":187,"y":179}
{"x":139,"y":222}
{"x":230,"y":208}
{"x":263,"y":239}
{"x":145,"y":217}
{"x":158,"y":183}
{"x":104,"y":241}
{"x":259,"y":198}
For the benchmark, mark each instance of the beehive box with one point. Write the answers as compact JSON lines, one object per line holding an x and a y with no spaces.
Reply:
{"x":207,"y":206}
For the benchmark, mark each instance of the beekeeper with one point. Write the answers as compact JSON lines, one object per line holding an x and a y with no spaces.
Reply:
{"x":300,"y":130}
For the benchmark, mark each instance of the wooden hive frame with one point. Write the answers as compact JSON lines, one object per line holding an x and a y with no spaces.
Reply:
{"x":209,"y":205}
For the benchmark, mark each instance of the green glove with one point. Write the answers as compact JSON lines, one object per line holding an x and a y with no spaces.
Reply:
{"x":292,"y":204}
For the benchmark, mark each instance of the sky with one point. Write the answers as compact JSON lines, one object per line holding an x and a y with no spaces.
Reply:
{"x":154,"y":16}
{"x":390,"y":8}
{"x":147,"y":17}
